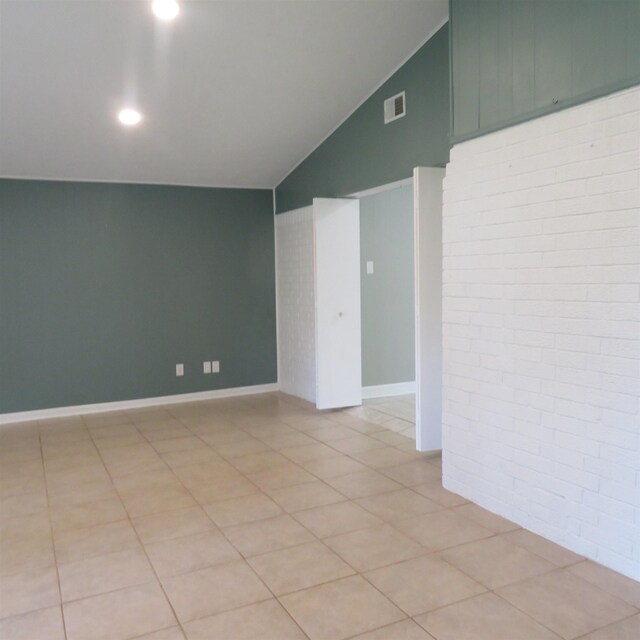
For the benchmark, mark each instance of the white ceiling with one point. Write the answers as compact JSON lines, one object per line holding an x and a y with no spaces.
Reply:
{"x":234,"y":92}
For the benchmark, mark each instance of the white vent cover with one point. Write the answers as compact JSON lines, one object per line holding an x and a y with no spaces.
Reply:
{"x":394,"y":108}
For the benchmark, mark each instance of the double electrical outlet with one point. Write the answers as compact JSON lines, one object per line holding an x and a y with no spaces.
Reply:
{"x":212,"y":366}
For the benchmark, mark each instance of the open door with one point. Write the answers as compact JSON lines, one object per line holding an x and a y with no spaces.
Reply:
{"x":336,"y":228}
{"x":427,"y":202}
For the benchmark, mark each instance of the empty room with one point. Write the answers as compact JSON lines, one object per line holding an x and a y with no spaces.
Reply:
{"x":319,"y":320}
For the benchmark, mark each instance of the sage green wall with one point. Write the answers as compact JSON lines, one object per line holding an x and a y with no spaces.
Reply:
{"x":512,"y":60}
{"x":387,"y":295}
{"x":105,"y":287}
{"x":364,"y":152}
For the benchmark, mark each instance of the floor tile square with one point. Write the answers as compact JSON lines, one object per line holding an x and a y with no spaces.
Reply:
{"x":305,"y":496}
{"x":542,"y":547}
{"x":88,"y":514}
{"x":210,"y":591}
{"x":376,"y":547}
{"x":258,"y":537}
{"x":308,"y":452}
{"x":403,"y":630}
{"x":172,"y":524}
{"x":495,"y":562}
{"x":145,"y":501}
{"x":423,"y":584}
{"x":413,"y":473}
{"x":284,"y":475}
{"x":335,"y":519}
{"x":383,"y":457}
{"x":299,"y":567}
{"x":119,"y":615}
{"x":397,"y":505}
{"x":485,"y":617}
{"x":183,"y":555}
{"x":485,"y":518}
{"x":339,"y":465}
{"x":628,"y":629}
{"x":340,"y":609}
{"x":28,"y":591}
{"x":173,"y":633}
{"x":614,"y":583}
{"x":436,"y":492}
{"x":262,"y":621}
{"x":237,"y":448}
{"x":357,"y":443}
{"x":566,"y":604}
{"x":258,"y":462}
{"x":256,"y":506}
{"x":362,"y":484}
{"x":442,"y":529}
{"x":44,"y":623}
{"x":99,"y":574}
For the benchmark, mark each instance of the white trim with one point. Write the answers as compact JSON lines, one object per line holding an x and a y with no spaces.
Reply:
{"x":384,"y":390}
{"x":62,"y":412}
{"x":379,"y":86}
{"x":142,"y":182}
{"x":390,"y":186}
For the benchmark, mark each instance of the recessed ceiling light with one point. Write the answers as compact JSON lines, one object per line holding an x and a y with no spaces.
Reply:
{"x":129,"y":117}
{"x":165,"y":9}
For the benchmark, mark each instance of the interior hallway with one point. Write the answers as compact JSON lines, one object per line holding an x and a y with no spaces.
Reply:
{"x":259,"y":517}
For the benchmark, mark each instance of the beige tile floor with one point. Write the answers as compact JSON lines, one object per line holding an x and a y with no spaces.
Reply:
{"x":260,"y":518}
{"x":396,"y":413}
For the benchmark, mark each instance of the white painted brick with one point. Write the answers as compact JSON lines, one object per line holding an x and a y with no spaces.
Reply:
{"x":296,"y":303}
{"x":542,"y":267}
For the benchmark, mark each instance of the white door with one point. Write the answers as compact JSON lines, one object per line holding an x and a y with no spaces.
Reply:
{"x":427,"y":202}
{"x":336,"y":226}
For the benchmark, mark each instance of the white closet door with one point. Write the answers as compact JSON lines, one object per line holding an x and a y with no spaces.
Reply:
{"x":336,"y":224}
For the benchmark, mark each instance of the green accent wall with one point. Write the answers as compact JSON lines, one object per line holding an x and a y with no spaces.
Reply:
{"x":387,"y":295}
{"x":513,"y":60}
{"x":104,"y":288}
{"x":364,"y":152}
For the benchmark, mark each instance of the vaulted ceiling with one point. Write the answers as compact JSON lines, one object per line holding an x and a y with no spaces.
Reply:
{"x":233,"y":92}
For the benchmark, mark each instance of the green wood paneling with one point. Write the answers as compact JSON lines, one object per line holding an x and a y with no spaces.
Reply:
{"x":104,"y":288}
{"x":552,"y":52}
{"x":523,"y":38}
{"x":512,"y":60}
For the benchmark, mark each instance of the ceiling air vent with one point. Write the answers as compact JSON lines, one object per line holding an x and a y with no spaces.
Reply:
{"x":394,"y":108}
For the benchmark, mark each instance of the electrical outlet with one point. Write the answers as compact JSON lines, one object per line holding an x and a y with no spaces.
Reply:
{"x":206,"y":367}
{"x":369,"y":267}
{"x":179,"y":369}
{"x":215,"y":366}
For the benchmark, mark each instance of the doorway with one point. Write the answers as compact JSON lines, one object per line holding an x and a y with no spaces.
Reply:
{"x":311,"y":359}
{"x":387,"y":287}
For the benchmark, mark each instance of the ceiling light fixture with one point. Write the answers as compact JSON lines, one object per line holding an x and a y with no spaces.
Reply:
{"x":165,"y":9}
{"x":129,"y":117}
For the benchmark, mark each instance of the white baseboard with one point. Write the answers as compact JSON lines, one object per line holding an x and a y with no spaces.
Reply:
{"x":63,"y":412}
{"x":383,"y":390}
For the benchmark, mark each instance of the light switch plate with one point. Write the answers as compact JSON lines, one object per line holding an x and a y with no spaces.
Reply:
{"x":369,"y":267}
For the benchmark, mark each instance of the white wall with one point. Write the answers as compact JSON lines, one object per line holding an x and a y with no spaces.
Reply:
{"x":296,"y":305}
{"x":541,"y":305}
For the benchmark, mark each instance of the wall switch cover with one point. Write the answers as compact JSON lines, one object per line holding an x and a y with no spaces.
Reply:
{"x":215,"y":366}
{"x":206,"y":367}
{"x":369,"y":267}
{"x":179,"y":369}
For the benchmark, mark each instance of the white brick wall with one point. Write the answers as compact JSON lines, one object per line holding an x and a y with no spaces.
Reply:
{"x":541,"y":306}
{"x":296,"y":303}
